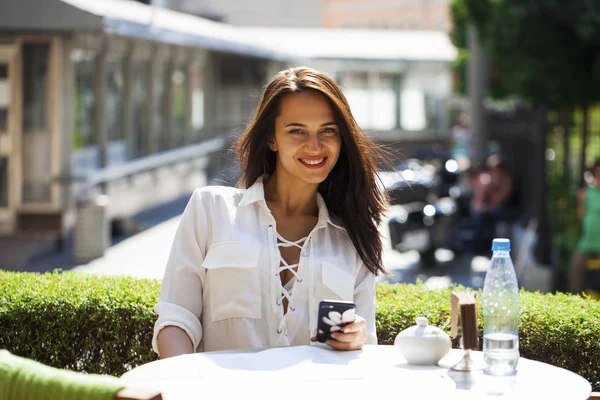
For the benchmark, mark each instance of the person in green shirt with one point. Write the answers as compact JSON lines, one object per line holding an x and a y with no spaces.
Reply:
{"x":588,"y":211}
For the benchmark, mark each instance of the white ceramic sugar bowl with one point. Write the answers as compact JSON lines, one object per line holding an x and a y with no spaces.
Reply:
{"x":423,"y":344}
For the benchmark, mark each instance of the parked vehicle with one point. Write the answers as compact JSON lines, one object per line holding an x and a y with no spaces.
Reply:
{"x":423,"y":209}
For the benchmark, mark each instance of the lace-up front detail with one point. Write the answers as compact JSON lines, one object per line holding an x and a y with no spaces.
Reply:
{"x":286,"y":291}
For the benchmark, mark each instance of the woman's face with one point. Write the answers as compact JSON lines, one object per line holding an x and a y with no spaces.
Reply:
{"x":307,"y":139}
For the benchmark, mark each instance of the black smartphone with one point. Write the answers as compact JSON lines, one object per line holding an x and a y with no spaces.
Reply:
{"x":333,"y":316}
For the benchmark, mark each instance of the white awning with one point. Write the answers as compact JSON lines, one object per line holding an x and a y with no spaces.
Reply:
{"x":134,"y":19}
{"x":358,"y":44}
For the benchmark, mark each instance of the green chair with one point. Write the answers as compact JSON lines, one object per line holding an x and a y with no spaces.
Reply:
{"x":24,"y":379}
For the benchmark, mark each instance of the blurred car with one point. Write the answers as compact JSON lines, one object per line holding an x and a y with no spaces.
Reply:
{"x":421,"y":218}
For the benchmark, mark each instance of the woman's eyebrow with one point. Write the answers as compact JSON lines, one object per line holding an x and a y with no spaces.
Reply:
{"x":304,"y":126}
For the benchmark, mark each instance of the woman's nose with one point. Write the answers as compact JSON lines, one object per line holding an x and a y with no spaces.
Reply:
{"x":314,"y":143}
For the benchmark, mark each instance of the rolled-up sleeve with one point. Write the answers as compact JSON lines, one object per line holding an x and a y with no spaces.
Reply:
{"x":180,"y":299}
{"x":364,"y":298}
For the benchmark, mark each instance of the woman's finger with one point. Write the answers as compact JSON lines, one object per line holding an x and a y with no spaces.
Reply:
{"x":356,"y":340}
{"x":345,"y":346}
{"x":358,"y":324}
{"x":347,"y":337}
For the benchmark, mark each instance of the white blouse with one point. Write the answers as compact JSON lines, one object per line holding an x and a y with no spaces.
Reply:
{"x":222,"y":283}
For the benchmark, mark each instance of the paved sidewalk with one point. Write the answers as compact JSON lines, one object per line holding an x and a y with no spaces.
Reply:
{"x":145,"y":255}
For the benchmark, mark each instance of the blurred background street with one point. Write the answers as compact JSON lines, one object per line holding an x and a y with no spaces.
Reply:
{"x":113,"y":111}
{"x":144,"y":255}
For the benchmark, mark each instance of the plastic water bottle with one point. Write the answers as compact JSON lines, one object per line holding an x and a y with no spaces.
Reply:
{"x":501,"y":312}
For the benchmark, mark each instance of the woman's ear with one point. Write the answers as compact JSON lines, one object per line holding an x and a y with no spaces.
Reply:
{"x":272,"y":145}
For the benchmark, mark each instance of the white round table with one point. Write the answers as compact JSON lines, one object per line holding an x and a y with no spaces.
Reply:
{"x":376,"y":372}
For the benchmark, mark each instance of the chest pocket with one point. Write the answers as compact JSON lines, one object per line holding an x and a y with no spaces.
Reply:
{"x":233,"y":280}
{"x":336,"y":283}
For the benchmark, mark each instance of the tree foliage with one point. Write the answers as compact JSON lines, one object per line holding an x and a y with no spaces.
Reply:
{"x":546,"y":52}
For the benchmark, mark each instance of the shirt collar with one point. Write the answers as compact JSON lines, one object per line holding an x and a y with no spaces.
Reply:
{"x":324,"y":216}
{"x":256,"y":193}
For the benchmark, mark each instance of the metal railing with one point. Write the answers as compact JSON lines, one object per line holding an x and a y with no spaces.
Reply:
{"x":161,"y":160}
{"x":145,"y":164}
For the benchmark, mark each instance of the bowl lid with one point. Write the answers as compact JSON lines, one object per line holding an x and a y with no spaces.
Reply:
{"x":422,"y":329}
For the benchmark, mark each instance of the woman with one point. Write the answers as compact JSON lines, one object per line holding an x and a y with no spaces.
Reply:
{"x":588,"y":211}
{"x":248,"y":267}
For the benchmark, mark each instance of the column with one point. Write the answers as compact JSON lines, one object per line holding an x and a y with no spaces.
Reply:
{"x":100,"y":88}
{"x":188,"y":132}
{"x":127,"y":111}
{"x":169,"y":128}
{"x":66,"y":133}
{"x":151,"y":133}
{"x":210,"y":95}
{"x":398,"y":90}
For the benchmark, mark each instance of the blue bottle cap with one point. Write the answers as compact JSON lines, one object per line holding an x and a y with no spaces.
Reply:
{"x":501,"y":245}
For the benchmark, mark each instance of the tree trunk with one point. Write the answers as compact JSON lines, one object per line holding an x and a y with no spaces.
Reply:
{"x":584,"y":145}
{"x":565,"y":122}
{"x":478,"y":77}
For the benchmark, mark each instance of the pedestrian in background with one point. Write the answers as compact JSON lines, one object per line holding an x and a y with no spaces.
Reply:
{"x":460,"y":139}
{"x":249,"y":265}
{"x":492,"y":191}
{"x":588,"y":211}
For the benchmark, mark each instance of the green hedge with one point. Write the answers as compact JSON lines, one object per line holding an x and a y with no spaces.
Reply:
{"x":81,"y":322}
{"x":104,"y":324}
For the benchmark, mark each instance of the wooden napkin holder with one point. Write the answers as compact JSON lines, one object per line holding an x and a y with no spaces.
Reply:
{"x":463,"y":303}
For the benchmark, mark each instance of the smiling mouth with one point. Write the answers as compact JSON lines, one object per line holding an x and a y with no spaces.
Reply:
{"x":315,"y":163}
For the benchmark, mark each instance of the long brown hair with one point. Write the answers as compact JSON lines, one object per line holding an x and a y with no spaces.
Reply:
{"x":350,"y":190}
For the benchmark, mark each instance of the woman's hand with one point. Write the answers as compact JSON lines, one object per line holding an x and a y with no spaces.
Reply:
{"x":351,"y":337}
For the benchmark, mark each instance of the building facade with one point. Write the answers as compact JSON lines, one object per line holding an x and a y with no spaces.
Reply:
{"x":306,"y":13}
{"x":421,"y":15}
{"x":125,"y":99}
{"x":92,"y":91}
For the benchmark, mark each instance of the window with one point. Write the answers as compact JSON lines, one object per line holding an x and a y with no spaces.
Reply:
{"x":159,"y":112}
{"x":35,"y":86}
{"x":4,"y":97}
{"x":413,"y":110}
{"x":179,"y":106}
{"x":83,"y":113}
{"x":356,"y":91}
{"x":114,"y":97}
{"x":36,"y":154}
{"x":117,"y":146}
{"x":197,"y":106}
{"x":383,"y":102}
{"x":140,"y":107}
{"x":3,"y":182}
{"x":372,"y":98}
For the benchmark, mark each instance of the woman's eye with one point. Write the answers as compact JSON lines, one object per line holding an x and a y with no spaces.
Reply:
{"x":329,"y":130}
{"x":296,"y":131}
